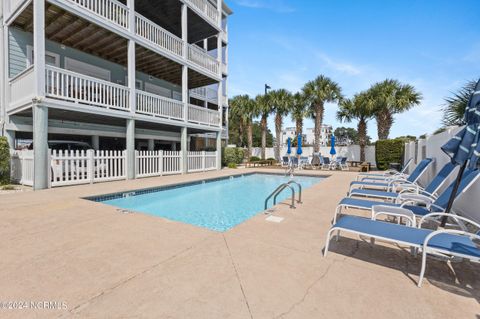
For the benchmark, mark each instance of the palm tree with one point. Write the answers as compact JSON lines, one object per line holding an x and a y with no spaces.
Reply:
{"x":360,"y":108}
{"x":454,"y":107}
{"x":299,"y":111}
{"x":281,"y":101}
{"x":317,"y":93}
{"x":264,"y":108}
{"x":392,"y":97}
{"x":242,"y":110}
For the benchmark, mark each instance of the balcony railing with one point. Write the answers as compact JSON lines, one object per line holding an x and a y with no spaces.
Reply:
{"x":205,"y":93}
{"x":202,"y":58}
{"x":82,"y":89}
{"x":79,"y":88}
{"x":203,"y":115}
{"x":206,"y":8}
{"x":158,"y":36}
{"x":111,"y":10}
{"x":155,"y":105}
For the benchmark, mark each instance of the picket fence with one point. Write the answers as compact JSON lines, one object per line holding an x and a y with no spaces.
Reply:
{"x":83,"y":167}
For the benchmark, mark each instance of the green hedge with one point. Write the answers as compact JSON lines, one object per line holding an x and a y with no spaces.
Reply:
{"x":389,"y":151}
{"x":255,"y":159}
{"x":4,"y":161}
{"x":232,"y":155}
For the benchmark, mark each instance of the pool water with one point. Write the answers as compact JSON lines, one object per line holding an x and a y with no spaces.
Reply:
{"x":217,"y":205}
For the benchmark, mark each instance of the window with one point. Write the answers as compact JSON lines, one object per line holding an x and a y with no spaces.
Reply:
{"x":87,"y":69}
{"x":138,"y":83}
{"x":50,"y":57}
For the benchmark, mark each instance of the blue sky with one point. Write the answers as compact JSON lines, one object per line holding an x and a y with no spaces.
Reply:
{"x":433,"y":45}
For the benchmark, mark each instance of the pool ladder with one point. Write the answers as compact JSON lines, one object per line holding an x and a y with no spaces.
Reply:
{"x":280,"y":188}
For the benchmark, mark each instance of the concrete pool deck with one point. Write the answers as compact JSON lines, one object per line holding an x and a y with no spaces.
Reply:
{"x":101,"y":263}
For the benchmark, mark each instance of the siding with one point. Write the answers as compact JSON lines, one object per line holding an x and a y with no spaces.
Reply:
{"x":18,"y":60}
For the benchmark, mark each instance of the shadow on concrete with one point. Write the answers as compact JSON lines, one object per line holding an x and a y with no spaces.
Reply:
{"x":457,"y":277}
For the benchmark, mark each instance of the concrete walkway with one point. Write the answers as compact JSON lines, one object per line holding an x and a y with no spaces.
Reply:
{"x":101,"y":263}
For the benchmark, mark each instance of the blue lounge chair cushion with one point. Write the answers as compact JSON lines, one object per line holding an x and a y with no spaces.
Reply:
{"x":368,"y":204}
{"x":373,"y":193}
{"x":409,"y":235}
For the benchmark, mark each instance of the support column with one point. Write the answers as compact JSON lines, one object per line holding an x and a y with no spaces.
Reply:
{"x":10,"y":138}
{"x":130,"y":148}
{"x":184,"y":149}
{"x":41,"y":165}
{"x":96,"y":142}
{"x":219,"y":150}
{"x":184,"y":18}
{"x":185,"y":97}
{"x":151,"y":144}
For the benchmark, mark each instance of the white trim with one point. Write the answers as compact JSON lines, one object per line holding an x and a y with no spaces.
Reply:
{"x":138,"y":83}
{"x":87,"y":69}
{"x":47,"y":53}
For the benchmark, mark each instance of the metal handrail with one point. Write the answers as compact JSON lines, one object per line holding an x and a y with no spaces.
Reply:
{"x":299,"y":190}
{"x":277,"y":191}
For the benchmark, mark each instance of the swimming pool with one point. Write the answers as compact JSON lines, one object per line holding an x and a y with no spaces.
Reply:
{"x":217,"y":204}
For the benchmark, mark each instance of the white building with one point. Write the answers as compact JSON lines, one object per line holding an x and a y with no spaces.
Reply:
{"x":308,"y":135}
{"x":124,"y":74}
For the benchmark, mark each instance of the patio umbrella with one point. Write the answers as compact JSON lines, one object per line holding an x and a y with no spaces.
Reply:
{"x":299,"y":144}
{"x":465,"y":145}
{"x":289,"y":146}
{"x":332,"y":148}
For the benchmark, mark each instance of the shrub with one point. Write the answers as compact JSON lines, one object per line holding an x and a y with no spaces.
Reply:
{"x":232,"y":165}
{"x":389,"y":151}
{"x":254,"y":159}
{"x":232,"y":155}
{"x":271,"y":159}
{"x":4,"y":161}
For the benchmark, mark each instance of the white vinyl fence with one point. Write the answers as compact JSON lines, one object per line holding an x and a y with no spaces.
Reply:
{"x":469,"y":201}
{"x":352,"y":152}
{"x":80,"y":167}
{"x":156,"y":163}
{"x":84,"y":167}
{"x":202,"y":161}
{"x":21,"y":167}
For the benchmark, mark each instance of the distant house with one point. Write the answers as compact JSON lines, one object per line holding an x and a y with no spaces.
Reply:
{"x":308,"y":135}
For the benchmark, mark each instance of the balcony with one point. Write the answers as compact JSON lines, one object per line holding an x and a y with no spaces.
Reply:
{"x":205,"y":93}
{"x":117,"y":14}
{"x":201,"y":115}
{"x":95,"y":94}
{"x":205,"y":9}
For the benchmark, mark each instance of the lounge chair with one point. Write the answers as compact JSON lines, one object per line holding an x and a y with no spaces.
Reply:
{"x":326,"y":164}
{"x":412,"y":202}
{"x":430,"y":190}
{"x":343,"y":164}
{"x":285,"y":161}
{"x":304,"y":162}
{"x":390,"y":183}
{"x":445,"y":242}
{"x":388,"y":173}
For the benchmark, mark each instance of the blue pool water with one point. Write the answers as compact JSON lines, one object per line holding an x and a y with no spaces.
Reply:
{"x":218,"y":205}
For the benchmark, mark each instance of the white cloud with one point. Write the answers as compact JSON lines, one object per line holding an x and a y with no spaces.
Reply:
{"x":338,"y":66}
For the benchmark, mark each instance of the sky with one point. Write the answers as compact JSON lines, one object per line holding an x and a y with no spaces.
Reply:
{"x":433,"y":45}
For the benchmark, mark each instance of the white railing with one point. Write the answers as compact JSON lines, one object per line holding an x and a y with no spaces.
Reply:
{"x":203,"y":115}
{"x":202,"y":58}
{"x":22,"y":167}
{"x":81,"y":167}
{"x":157,"y":35}
{"x":204,"y":93}
{"x":22,"y":88}
{"x":206,"y":8}
{"x":110,"y":10}
{"x":79,"y":88}
{"x":156,"y":163}
{"x":156,"y":105}
{"x":201,"y":161}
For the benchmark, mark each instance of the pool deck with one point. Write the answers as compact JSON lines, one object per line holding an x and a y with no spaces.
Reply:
{"x":102,"y":263}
